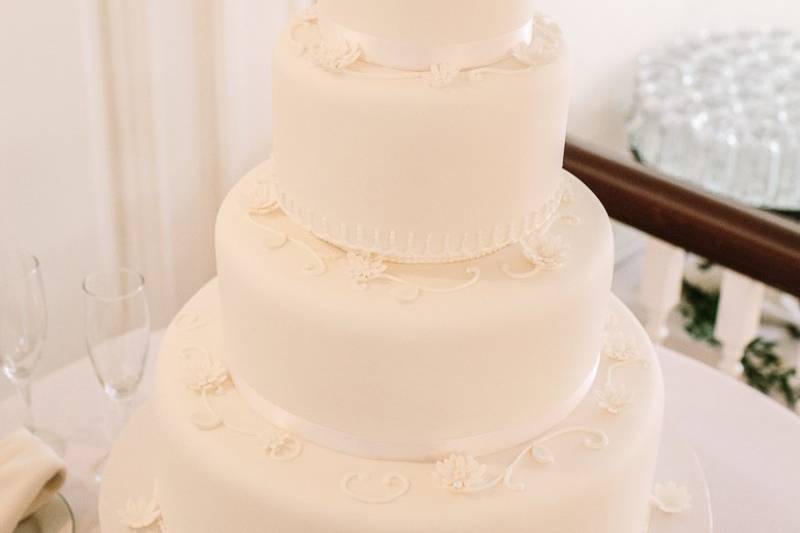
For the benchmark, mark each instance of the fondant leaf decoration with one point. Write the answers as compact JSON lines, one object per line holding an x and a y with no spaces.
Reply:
{"x":672,"y":498}
{"x":189,"y":321}
{"x":275,"y":239}
{"x":205,"y":420}
{"x":140,"y":513}
{"x":542,"y":455}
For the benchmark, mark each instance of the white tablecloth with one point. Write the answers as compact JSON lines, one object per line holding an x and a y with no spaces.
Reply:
{"x":748,"y":444}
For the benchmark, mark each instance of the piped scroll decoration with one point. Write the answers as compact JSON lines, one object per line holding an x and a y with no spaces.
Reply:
{"x":206,"y":376}
{"x":264,"y":201}
{"x":397,"y":483}
{"x":363,"y":268}
{"x":339,"y":57}
{"x":460,"y":473}
{"x":190,"y":321}
{"x":614,"y":397}
{"x":545,"y":252}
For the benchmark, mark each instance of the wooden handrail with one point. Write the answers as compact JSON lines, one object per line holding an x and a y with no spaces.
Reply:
{"x":759,"y":245}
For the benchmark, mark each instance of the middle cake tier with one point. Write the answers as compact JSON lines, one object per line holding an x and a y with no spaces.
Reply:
{"x":399,"y":361}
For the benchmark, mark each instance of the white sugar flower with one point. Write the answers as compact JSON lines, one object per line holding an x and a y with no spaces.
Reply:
{"x":567,"y":195}
{"x":614,"y":398}
{"x":460,"y":472}
{"x":543,"y":48}
{"x":547,"y":253}
{"x":206,"y":376}
{"x":335,"y":58}
{"x":544,"y":22}
{"x":310,"y":14}
{"x":618,"y":348}
{"x":262,"y":199}
{"x":442,"y":74}
{"x":140,"y":513}
{"x":672,"y":498}
{"x":280,"y":445}
{"x":363,"y":267}
{"x":276,"y":442}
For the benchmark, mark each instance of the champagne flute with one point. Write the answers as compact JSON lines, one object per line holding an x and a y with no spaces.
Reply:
{"x":117,"y":322}
{"x":23,"y":323}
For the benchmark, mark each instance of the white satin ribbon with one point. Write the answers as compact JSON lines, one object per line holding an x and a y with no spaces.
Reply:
{"x":404,"y":55}
{"x":420,"y":450}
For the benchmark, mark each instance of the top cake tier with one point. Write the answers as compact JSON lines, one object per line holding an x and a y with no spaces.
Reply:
{"x":430,"y":21}
{"x":420,"y":165}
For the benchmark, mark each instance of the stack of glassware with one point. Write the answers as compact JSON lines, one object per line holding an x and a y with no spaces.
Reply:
{"x":722,"y":110}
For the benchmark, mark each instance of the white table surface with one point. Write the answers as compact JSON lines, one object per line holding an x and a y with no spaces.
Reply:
{"x":748,"y":444}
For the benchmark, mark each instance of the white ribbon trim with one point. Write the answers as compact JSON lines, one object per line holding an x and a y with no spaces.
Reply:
{"x":422,"y":450}
{"x":421,"y":56}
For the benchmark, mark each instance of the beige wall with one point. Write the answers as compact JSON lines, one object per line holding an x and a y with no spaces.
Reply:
{"x":194,"y":113}
{"x":605,"y":38}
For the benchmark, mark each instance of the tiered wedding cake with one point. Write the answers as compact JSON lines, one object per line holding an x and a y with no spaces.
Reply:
{"x":412,"y":328}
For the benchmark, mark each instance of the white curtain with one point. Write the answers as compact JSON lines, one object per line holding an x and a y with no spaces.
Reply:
{"x":123,"y":124}
{"x":182,"y":105}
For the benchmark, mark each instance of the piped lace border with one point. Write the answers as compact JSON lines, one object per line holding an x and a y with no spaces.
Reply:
{"x":411,"y":248}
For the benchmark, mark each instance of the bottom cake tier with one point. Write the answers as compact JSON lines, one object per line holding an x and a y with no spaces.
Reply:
{"x":223,"y":468}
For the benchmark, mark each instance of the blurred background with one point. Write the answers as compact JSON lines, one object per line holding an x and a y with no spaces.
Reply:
{"x":123,"y":123}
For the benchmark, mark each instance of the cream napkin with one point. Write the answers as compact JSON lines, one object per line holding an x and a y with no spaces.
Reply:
{"x":30,"y":474}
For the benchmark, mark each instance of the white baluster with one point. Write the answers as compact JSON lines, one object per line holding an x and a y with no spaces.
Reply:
{"x":660,"y":291}
{"x":738,"y":318}
{"x":792,"y":307}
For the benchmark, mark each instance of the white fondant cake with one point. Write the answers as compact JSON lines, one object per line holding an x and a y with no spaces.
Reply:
{"x":591,"y":472}
{"x":410,"y":330}
{"x":386,"y":357}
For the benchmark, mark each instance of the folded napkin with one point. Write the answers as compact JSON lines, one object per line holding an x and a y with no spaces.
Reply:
{"x":30,"y":474}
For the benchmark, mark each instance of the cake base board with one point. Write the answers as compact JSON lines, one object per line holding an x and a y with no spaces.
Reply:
{"x":130,"y":473}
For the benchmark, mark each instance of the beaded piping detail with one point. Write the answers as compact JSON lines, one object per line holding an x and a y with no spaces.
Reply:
{"x":411,"y":248}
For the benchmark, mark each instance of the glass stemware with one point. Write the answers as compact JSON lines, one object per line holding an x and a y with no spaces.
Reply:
{"x":117,"y":323}
{"x":23,"y":323}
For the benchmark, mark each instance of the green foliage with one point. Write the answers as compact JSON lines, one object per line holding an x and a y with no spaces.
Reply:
{"x":763,"y":367}
{"x":699,"y":311}
{"x":764,"y":370}
{"x":637,"y":156}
